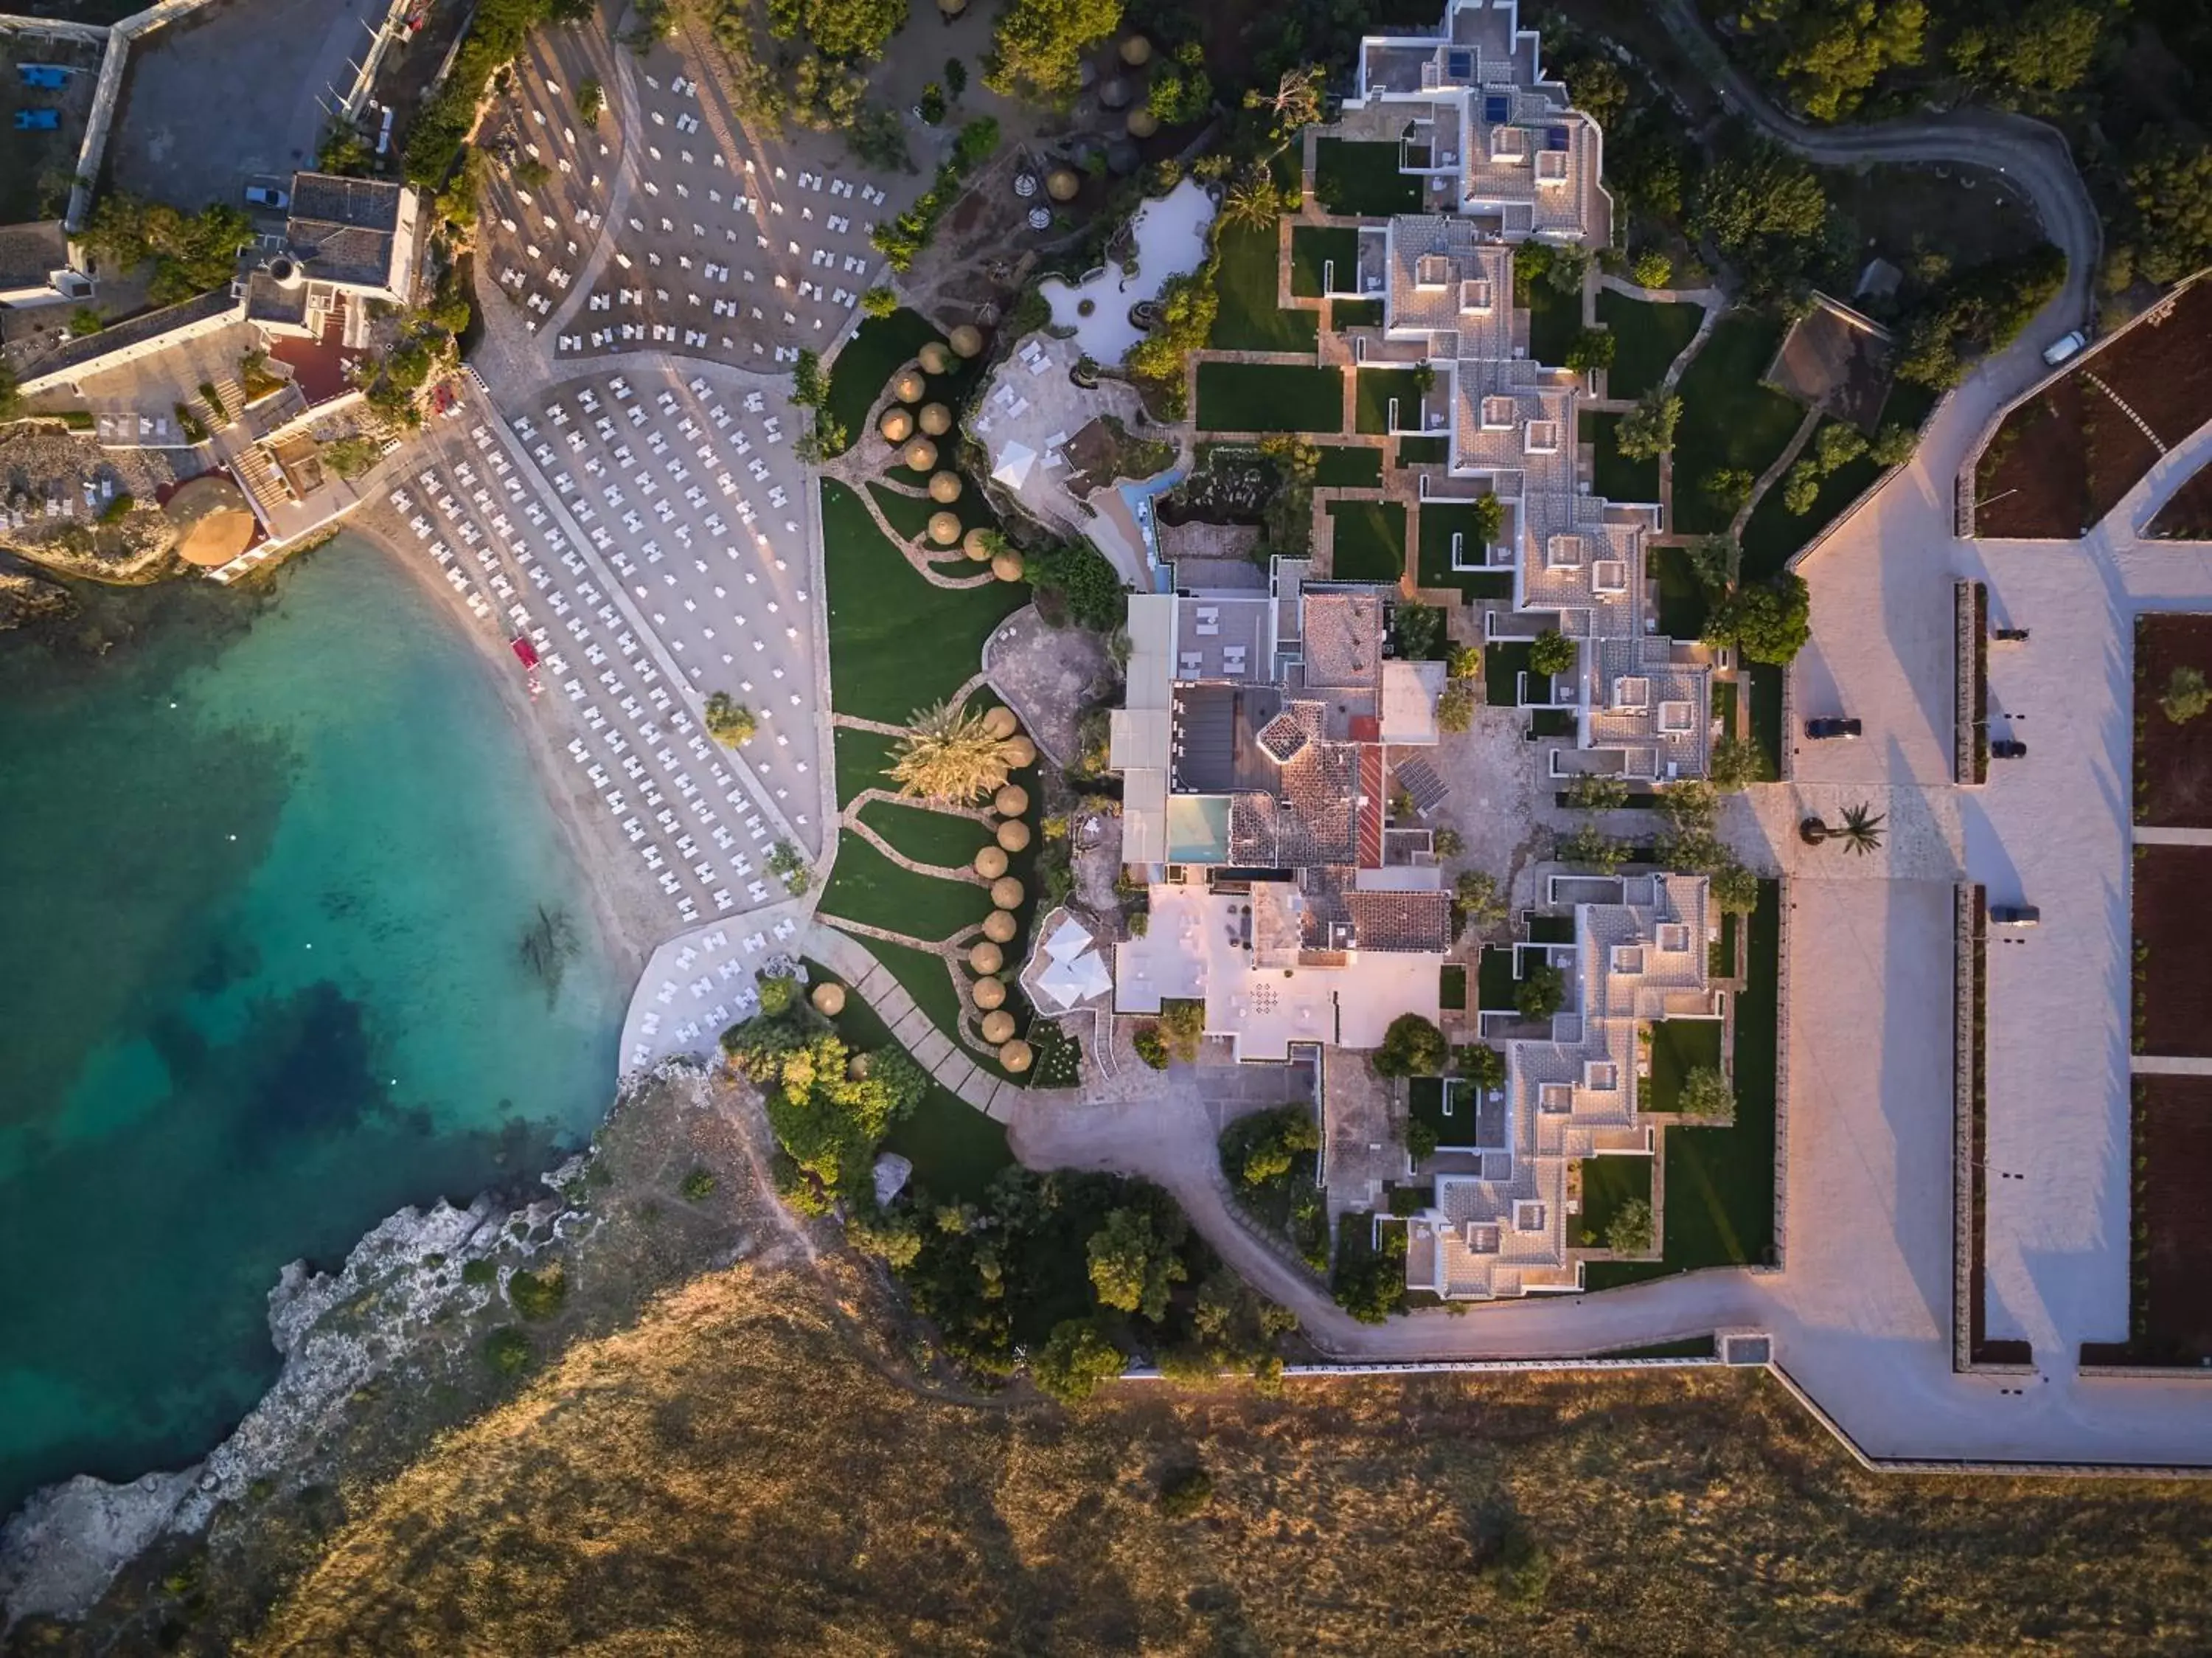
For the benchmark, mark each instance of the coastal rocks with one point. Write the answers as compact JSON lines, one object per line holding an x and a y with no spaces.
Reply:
{"x":27,"y":598}
{"x":58,"y":1552}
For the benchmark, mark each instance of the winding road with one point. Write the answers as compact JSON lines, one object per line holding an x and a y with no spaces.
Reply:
{"x":1861,"y":1313}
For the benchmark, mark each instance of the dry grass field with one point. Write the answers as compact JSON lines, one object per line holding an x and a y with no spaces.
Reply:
{"x":754,"y":1468}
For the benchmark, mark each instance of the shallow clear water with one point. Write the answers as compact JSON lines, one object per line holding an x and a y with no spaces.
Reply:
{"x":267,"y":867}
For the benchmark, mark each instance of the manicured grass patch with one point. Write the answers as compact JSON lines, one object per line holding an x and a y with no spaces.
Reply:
{"x":1435,"y":524}
{"x":876,"y":351}
{"x":1720,"y":954}
{"x":1683,"y":605}
{"x":1343,"y":467}
{"x":1370,"y":540}
{"x":1730,"y":421}
{"x":1766,"y":711}
{"x":1774,"y":533}
{"x":1614,"y":475}
{"x":1493,"y":979}
{"x":1648,"y":337}
{"x":909,"y":515}
{"x":862,"y":758}
{"x":1248,"y":320}
{"x":1424,"y":451}
{"x":1452,"y":987}
{"x":1608,"y":1184}
{"x":926,"y":836}
{"x":1269,"y":397}
{"x":955,"y":1148}
{"x":923,"y":976}
{"x":1362,"y":180}
{"x":1372,"y":391}
{"x":1345,"y":314}
{"x":898,"y":643}
{"x":1552,"y":722}
{"x":1678,"y":1047}
{"x":866,"y":887}
{"x":1554,"y":320}
{"x":1720,"y":1181}
{"x":1551,"y":930}
{"x":1503,"y":664}
{"x":1314,"y":246}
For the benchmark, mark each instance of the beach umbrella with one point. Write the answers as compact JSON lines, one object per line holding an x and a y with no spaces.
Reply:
{"x":945,"y":527}
{"x":1016,"y":1057}
{"x":1143,"y":123}
{"x":945,"y":487}
{"x":1019,"y":751}
{"x":1007,"y":566}
{"x":1014,"y":835}
{"x":828,"y":999}
{"x":999,"y":927}
{"x":1063,"y":186}
{"x":967,"y":340}
{"x":990,"y":993}
{"x":908,"y":387}
{"x":998,"y":1027}
{"x":897,"y":425}
{"x":990,"y":863}
{"x":1011,"y":801}
{"x":984,"y":956}
{"x":936,"y":418}
{"x":1136,"y":52}
{"x":921,"y":455}
{"x":936,"y":357}
{"x":975,"y":544}
{"x":1006,"y":893}
{"x":1000,"y":723}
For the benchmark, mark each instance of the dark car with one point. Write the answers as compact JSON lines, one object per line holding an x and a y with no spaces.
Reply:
{"x":2008,"y":748}
{"x":2015,"y":915}
{"x":1832,"y":726}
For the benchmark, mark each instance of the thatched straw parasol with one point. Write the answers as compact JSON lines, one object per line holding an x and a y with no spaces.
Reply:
{"x":1019,"y":751}
{"x":1143,"y":123}
{"x":1014,"y":835}
{"x":1062,"y":184}
{"x":908,"y":387}
{"x":975,"y":545}
{"x":998,"y":1027}
{"x":921,"y":455}
{"x":991,"y":863}
{"x":999,"y":927}
{"x":1006,"y":893}
{"x":1136,"y":52}
{"x":1007,"y":566}
{"x":945,"y":487}
{"x":897,"y":425}
{"x":967,"y":340}
{"x":1000,"y":723}
{"x":990,"y":993}
{"x":828,"y":999}
{"x":935,"y":358}
{"x":945,"y":527}
{"x":1016,"y":1057}
{"x":986,"y":957}
{"x":936,"y":419}
{"x":1011,"y":801}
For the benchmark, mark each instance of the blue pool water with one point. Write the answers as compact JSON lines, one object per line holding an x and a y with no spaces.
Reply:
{"x":270,"y":862}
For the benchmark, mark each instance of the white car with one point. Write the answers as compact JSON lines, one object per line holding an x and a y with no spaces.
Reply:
{"x":2059,"y":350}
{"x":266,"y":195}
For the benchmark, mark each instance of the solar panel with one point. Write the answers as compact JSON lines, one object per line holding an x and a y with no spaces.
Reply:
{"x":1419,"y":780}
{"x":1497,"y":106}
{"x":1555,"y":137}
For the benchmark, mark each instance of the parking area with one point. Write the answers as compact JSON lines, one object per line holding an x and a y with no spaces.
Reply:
{"x":585,"y":530}
{"x":233,"y":92}
{"x":37,"y":161}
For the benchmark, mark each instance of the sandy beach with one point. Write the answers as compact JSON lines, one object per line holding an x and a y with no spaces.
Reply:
{"x":632,"y":913}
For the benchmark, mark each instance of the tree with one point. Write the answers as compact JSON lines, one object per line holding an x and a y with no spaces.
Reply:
{"x":879,"y":301}
{"x":1037,"y":47}
{"x":1368,"y":1284}
{"x":1861,"y":831}
{"x":1421,"y":1140}
{"x":1186,"y":308}
{"x":1272,"y":1142}
{"x":2046,"y":50}
{"x":1182,"y":91}
{"x":1652,"y":269}
{"x":1414,"y":627}
{"x":808,"y":388}
{"x":1647,"y":431}
{"x":1412,"y":1046}
{"x":1489,"y":514}
{"x":1465,"y":662}
{"x":2186,"y":695}
{"x":1706,"y":1092}
{"x":1481,"y":1065}
{"x":1802,"y":487}
{"x":1769,"y":622}
{"x":1629,"y":1232}
{"x":1596,"y":87}
{"x":1183,"y":1027}
{"x":1737,"y":761}
{"x":949,"y":753}
{"x":1253,"y":200}
{"x":976,"y":142}
{"x":84,"y":320}
{"x":1474,"y":894}
{"x":1550,"y":653}
{"x":2169,"y":196}
{"x":1728,"y":487}
{"x":1151,"y":1046}
{"x":729,"y":721}
{"x":1134,"y":1265}
{"x":1074,"y":1360}
{"x":1592,"y":348}
{"x":1447,"y":842}
{"x":591,"y":99}
{"x":1893,"y":445}
{"x":1735,"y":888}
{"x":1295,"y":104}
{"x":1836,"y":445}
{"x":1764,"y":210}
{"x":1542,"y":993}
{"x":1597,"y":791}
{"x":1591,"y":845}
{"x":1455,"y":705}
{"x":1838,"y":48}
{"x":1715,"y":560}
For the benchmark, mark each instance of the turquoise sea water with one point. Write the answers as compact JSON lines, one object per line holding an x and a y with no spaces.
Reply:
{"x":267,"y":867}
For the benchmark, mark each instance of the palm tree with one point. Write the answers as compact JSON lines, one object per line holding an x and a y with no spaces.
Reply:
{"x":729,"y":721}
{"x":951,"y":755}
{"x":1253,"y":199}
{"x":1861,"y":831}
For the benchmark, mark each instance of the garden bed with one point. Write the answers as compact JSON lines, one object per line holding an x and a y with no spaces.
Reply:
{"x":2187,"y":514}
{"x":2172,"y":763}
{"x":2173,"y":950}
{"x":2173,"y":1142}
{"x":1269,"y":397}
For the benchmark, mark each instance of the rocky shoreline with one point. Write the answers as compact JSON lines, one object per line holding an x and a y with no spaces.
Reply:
{"x":411,"y":1303}
{"x":26,"y":598}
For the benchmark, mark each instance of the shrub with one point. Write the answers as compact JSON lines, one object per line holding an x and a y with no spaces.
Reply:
{"x":480,"y":1271}
{"x":1420,"y":1140}
{"x":699,"y":1185}
{"x":1706,"y":1093}
{"x":1551,"y":652}
{"x":591,"y":99}
{"x":1075,"y":1358}
{"x":1412,"y":1046}
{"x":1369,"y":1282}
{"x":1652,"y":269}
{"x":1474,"y":894}
{"x":1647,"y":431}
{"x":117,"y":510}
{"x":1728,"y":488}
{"x":84,"y":320}
{"x":1184,"y":1493}
{"x":788,"y":864}
{"x":1152,"y":1047}
{"x":1518,"y":1570}
{"x":508,"y":1350}
{"x":1183,"y":1028}
{"x":1737,"y":761}
{"x":2186,"y":697}
{"x":1593,"y":348}
{"x":1629,"y":1232}
{"x":1481,"y":1064}
{"x":729,"y":721}
{"x":1542,"y":993}
{"x":537,"y":1294}
{"x":879,"y":301}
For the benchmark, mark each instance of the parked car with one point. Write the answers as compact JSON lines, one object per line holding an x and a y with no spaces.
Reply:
{"x":38,"y":120}
{"x":1834,"y":725}
{"x":265,"y":195}
{"x":2015,"y":915}
{"x":2010,"y":636}
{"x":2008,"y":748}
{"x":2059,"y":350}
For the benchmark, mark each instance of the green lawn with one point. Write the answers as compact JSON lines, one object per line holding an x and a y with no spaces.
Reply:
{"x":875,"y":352}
{"x":1372,"y":390}
{"x":1248,"y":319}
{"x":955,"y":1148}
{"x":1502,"y":665}
{"x":1682,"y":602}
{"x":866,"y":887}
{"x":1493,"y":980}
{"x":1363,"y":179}
{"x":1648,"y":337}
{"x":1269,"y":397}
{"x":909,"y":515}
{"x":1766,"y":711}
{"x":1316,"y":246}
{"x":1678,"y":1047}
{"x":1451,"y":987}
{"x":898,"y":643}
{"x":1434,"y":524}
{"x":1614,"y":475}
{"x":1720,"y":955}
{"x":1608,"y":1183}
{"x":1370,"y":540}
{"x":1720,"y":1181}
{"x":862,"y":758}
{"x":1345,"y":314}
{"x":923,"y":976}
{"x":1728,"y":419}
{"x":1346,"y":467}
{"x":926,"y":836}
{"x":1424,"y":451}
{"x":1554,"y":320}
